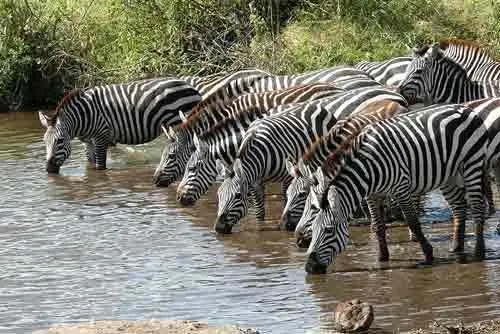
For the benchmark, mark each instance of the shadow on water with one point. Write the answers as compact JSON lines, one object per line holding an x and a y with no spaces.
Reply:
{"x":107,"y":244}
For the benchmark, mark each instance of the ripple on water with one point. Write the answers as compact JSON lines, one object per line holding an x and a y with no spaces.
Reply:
{"x":107,"y":244}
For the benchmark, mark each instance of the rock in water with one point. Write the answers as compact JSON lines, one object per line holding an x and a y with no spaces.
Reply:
{"x":353,"y":316}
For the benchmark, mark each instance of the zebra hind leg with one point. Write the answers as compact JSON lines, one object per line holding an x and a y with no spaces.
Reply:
{"x":406,"y":204}
{"x":376,"y":209}
{"x":475,"y":200}
{"x":455,"y":196}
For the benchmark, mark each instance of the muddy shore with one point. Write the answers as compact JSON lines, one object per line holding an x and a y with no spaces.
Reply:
{"x":195,"y":327}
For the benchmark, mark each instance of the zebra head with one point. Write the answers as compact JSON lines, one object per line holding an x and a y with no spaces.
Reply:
{"x":57,"y":139}
{"x":232,"y":196}
{"x":296,"y":195}
{"x":201,"y":172}
{"x":303,"y":231}
{"x":414,"y":87}
{"x":174,"y":157}
{"x":330,"y":231}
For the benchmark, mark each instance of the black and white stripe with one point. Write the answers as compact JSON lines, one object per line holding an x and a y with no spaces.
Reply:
{"x":436,"y":78}
{"x":437,"y":147}
{"x":131,"y":113}
{"x":389,"y":72}
{"x":222,"y":141}
{"x":269,"y":142}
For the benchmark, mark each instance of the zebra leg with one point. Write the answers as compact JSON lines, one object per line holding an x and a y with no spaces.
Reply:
{"x":100,"y":156}
{"x":455,"y":196}
{"x":475,"y":200}
{"x":404,"y":198}
{"x":90,"y":152}
{"x":375,"y":207}
{"x":258,"y":195}
{"x":489,"y":195}
{"x":496,"y":171}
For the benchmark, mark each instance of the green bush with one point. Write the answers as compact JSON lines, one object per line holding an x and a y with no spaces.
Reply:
{"x":48,"y":46}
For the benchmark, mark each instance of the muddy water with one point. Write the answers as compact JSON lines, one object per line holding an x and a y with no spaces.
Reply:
{"x":108,"y":245}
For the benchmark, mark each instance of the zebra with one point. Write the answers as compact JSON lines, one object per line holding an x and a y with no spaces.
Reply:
{"x":270,"y":141}
{"x":307,"y":180}
{"x":216,"y":90}
{"x":326,"y":75}
{"x":438,"y":147}
{"x":180,"y":147}
{"x":439,"y":79}
{"x":390,"y":72}
{"x":319,"y":151}
{"x":476,"y":61}
{"x":222,"y":140}
{"x":130,"y":113}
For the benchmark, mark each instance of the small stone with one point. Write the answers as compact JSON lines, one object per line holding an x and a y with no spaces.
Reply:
{"x":353,"y":316}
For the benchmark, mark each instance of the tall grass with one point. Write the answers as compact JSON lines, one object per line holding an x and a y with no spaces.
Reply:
{"x":47,"y":46}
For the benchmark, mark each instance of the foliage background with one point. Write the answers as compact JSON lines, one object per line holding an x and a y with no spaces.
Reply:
{"x":47,"y":46}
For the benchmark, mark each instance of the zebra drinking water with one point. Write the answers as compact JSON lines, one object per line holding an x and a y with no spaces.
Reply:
{"x":437,"y":147}
{"x":223,"y":139}
{"x":269,"y":142}
{"x":131,"y":113}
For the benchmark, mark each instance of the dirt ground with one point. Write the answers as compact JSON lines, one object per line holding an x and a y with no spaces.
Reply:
{"x":194,"y":327}
{"x":144,"y":327}
{"x":483,"y":327}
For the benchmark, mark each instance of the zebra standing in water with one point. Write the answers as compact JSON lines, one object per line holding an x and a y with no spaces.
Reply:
{"x":216,"y":90}
{"x":269,"y":142}
{"x":314,"y":157}
{"x":181,"y":146}
{"x":389,"y":72}
{"x":222,"y":140}
{"x":436,"y":147}
{"x":131,"y":113}
{"x":441,"y":80}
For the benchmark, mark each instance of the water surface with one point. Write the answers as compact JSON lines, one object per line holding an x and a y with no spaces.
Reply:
{"x":92,"y":244}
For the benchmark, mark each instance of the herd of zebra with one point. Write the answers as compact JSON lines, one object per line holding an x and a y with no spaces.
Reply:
{"x":338,"y":140}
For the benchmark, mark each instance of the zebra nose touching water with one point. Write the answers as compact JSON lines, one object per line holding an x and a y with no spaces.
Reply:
{"x":130,"y":113}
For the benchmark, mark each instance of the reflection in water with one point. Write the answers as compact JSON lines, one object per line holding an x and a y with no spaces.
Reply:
{"x":107,"y":244}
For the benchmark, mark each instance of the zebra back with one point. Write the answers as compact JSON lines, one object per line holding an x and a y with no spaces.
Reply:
{"x":389,"y":72}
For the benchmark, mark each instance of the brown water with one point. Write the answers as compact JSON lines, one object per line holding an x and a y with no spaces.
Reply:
{"x":108,"y":245}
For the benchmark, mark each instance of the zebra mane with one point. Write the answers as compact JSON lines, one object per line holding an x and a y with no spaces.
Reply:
{"x":466,"y":44}
{"x":373,"y":112}
{"x":51,"y":117}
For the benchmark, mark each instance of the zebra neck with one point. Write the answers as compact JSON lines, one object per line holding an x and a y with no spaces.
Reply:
{"x":353,"y":188}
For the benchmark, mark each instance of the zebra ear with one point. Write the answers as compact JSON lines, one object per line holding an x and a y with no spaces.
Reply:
{"x":291,"y":168}
{"x":237,"y":168}
{"x":435,"y":51}
{"x":182,"y":116}
{"x":320,"y":176}
{"x":314,"y":199}
{"x":47,"y":118}
{"x":303,"y":169}
{"x":196,"y":142}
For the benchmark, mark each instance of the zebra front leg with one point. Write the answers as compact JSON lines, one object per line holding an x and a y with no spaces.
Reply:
{"x":100,"y":156}
{"x":455,"y":196}
{"x":376,"y":210}
{"x":407,"y":205}
{"x":284,"y":186}
{"x":258,"y":195}
{"x":489,"y":195}
{"x":90,"y":152}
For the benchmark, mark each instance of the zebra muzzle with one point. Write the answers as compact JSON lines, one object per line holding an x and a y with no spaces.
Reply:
{"x":287,"y":222}
{"x":221,"y":226}
{"x":52,"y":168}
{"x":314,"y":266}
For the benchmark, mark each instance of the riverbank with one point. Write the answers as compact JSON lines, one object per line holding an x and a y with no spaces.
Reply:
{"x":195,"y":327}
{"x":145,"y":327}
{"x":483,"y":327}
